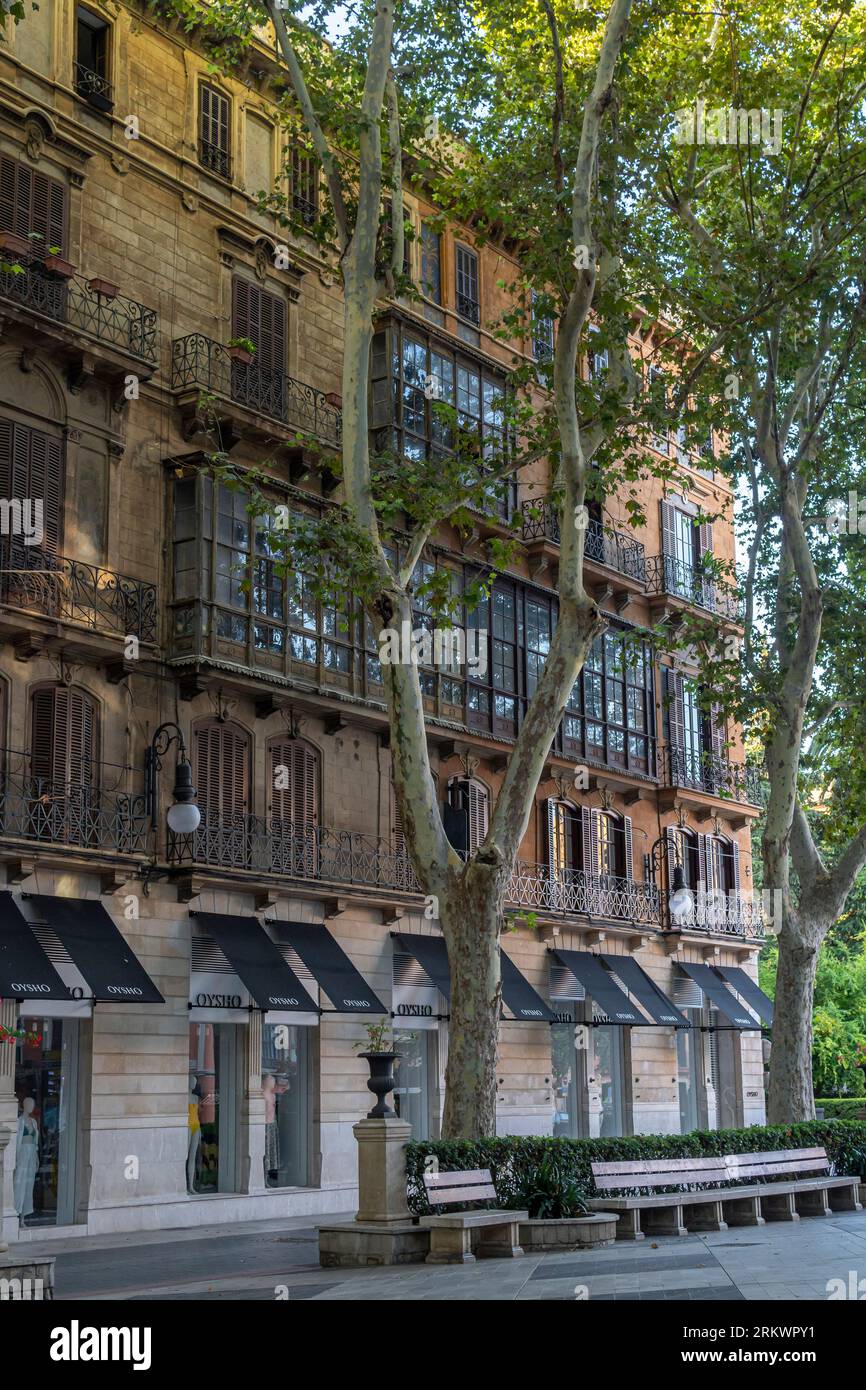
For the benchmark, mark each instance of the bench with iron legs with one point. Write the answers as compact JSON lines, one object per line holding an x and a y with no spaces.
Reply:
{"x":451,"y":1236}
{"x":796,"y":1189}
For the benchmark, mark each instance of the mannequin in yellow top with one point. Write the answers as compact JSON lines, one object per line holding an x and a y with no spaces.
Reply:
{"x":194,"y":1134}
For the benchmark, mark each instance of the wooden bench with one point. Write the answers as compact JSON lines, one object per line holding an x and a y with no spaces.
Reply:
{"x":451,"y":1235}
{"x":743,"y":1201}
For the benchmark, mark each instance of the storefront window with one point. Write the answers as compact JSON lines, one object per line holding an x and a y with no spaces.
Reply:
{"x":565,"y":1039}
{"x":286,"y":1092}
{"x":608,"y":1072}
{"x":45,"y":1081}
{"x":412,"y":1089}
{"x":688,"y":1076}
{"x":212,"y":1100}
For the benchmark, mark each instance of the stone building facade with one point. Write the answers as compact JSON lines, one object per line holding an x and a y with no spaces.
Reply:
{"x":127,"y":200}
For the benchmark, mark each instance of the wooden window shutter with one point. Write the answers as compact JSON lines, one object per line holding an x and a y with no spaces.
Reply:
{"x":222,"y":768}
{"x":735,"y":865}
{"x":46,"y":481}
{"x":703,"y":861}
{"x":628,"y":871}
{"x":398,"y":832}
{"x":554,"y":855}
{"x":671,"y":848}
{"x":261,"y":317}
{"x":586,"y":834}
{"x":674,"y":708}
{"x":296,"y":803}
{"x":705,"y":538}
{"x":667,"y":524}
{"x":478,"y":806}
{"x":214,"y":118}
{"x":32,"y":202}
{"x":717,"y":731}
{"x":63,"y":736}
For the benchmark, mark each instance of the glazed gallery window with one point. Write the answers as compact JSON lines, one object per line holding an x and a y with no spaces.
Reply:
{"x":230,"y":561}
{"x":46,"y":1081}
{"x":410,"y":375}
{"x":286,"y":1093}
{"x":213,"y":1107}
{"x":609,"y":716}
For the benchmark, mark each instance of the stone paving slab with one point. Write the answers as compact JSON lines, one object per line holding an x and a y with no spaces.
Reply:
{"x":263,"y":1261}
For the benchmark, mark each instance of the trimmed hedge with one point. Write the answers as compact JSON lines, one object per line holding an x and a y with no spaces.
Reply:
{"x":844,"y":1108}
{"x":514,"y":1159}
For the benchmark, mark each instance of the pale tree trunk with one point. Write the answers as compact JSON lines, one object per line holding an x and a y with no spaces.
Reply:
{"x":471,"y":916}
{"x":789,"y":1095}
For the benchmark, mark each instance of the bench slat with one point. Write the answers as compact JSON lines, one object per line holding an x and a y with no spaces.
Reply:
{"x":461,"y":1194}
{"x":664,"y":1180}
{"x":463,"y":1176}
{"x":657,"y":1165}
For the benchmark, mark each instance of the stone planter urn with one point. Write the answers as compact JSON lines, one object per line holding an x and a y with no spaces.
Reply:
{"x":380,"y":1082}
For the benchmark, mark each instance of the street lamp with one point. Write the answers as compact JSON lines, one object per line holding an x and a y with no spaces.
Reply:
{"x":680,"y":898}
{"x":184,"y":816}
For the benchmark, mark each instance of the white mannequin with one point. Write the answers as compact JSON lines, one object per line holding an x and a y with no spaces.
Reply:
{"x":26,"y":1158}
{"x":194,"y":1135}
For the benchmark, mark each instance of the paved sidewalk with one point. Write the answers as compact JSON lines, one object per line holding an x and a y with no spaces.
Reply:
{"x":266,"y":1260}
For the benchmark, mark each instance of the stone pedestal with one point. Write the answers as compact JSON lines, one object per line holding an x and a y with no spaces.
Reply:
{"x":382,"y":1170}
{"x":383,"y":1232}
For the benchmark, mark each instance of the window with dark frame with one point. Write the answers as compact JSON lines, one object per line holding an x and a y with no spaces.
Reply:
{"x":305,"y":185}
{"x":92,"y":40}
{"x":431,"y":263}
{"x":466,"y":284}
{"x":214,"y":141}
{"x":542,"y":332}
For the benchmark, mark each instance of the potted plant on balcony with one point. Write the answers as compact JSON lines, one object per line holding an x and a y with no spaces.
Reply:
{"x":14,"y":245}
{"x":379,"y":1053}
{"x":105,"y":288}
{"x":241,"y":349}
{"x":56,"y":265}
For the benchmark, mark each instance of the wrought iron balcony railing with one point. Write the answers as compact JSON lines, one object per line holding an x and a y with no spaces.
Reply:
{"x":603,"y":544}
{"x":574,"y":893}
{"x":729,"y":914}
{"x":93,"y":87}
{"x":37,"y":581}
{"x":468,"y":308}
{"x":116,"y":320}
{"x":708,"y":772}
{"x":215,"y":158}
{"x":71,"y":814}
{"x":200,"y":362}
{"x":667,"y":575}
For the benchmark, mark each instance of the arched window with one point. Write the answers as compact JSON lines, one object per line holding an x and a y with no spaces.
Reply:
{"x":221,"y":759}
{"x":63,"y":738}
{"x":293,"y":784}
{"x":469,"y":807}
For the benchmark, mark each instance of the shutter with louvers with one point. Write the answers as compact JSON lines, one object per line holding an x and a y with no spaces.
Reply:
{"x":587,"y":835}
{"x":718,"y":731}
{"x":667,"y":524}
{"x":222,"y":768}
{"x":261,"y":317}
{"x":552,"y":848}
{"x":703,"y":862}
{"x":31,"y":467}
{"x":627,"y":847}
{"x":595,"y":867}
{"x":674,"y":725}
{"x":735,"y":865}
{"x":214,"y":119}
{"x":477,"y":804}
{"x":32,"y":202}
{"x":296,"y":804}
{"x":671,"y":848}
{"x":63,"y":737}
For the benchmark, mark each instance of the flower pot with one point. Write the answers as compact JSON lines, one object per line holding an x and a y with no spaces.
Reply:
{"x":334,"y":399}
{"x":380,"y":1082}
{"x":239,"y":354}
{"x":15,"y":245}
{"x":103,"y":287}
{"x":57,"y":266}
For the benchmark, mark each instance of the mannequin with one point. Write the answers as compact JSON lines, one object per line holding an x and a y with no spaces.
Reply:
{"x":271,"y":1088}
{"x":194,"y":1134}
{"x":26,"y":1158}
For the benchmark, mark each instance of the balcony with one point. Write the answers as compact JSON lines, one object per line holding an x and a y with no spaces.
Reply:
{"x":37,"y":581}
{"x":615,"y":550}
{"x":574,"y":893}
{"x":705,"y":772}
{"x":93,"y":88}
{"x":72,"y":815}
{"x":723,"y":914}
{"x":672,"y":578}
{"x":55,"y":306}
{"x":248,"y":398}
